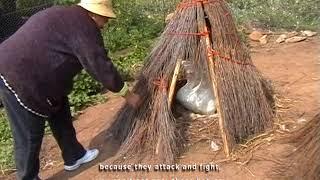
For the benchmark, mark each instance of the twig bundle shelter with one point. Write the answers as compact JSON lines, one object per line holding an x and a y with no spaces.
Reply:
{"x":243,"y":102}
{"x":203,"y":33}
{"x":304,"y":162}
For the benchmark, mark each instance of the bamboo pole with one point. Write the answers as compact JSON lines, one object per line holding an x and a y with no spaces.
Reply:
{"x":158,"y":145}
{"x":202,"y":27}
{"x":171,"y":92}
{"x":174,"y":82}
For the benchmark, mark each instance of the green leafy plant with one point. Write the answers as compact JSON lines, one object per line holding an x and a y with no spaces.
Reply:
{"x":6,"y":144}
{"x":277,"y":14}
{"x":66,"y":2}
{"x":85,"y":91}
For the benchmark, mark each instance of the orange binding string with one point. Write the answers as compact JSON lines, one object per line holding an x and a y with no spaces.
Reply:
{"x":213,"y":53}
{"x":161,"y":83}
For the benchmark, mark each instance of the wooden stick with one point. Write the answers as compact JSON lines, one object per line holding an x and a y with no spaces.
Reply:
{"x":171,"y":92}
{"x":174,"y":81}
{"x":158,"y":145}
{"x":203,"y":28}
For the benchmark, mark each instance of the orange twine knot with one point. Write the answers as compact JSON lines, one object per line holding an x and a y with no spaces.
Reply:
{"x":212,"y":53}
{"x":161,"y":83}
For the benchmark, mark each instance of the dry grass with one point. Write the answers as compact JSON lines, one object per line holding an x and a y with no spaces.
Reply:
{"x":304,"y":161}
{"x":195,"y":128}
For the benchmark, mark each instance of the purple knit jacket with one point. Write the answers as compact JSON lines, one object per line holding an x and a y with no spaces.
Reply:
{"x":41,"y":59}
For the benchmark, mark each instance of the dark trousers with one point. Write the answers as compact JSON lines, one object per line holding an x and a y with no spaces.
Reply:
{"x":28,"y":131}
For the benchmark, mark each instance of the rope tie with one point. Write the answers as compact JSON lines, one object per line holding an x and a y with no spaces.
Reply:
{"x":214,"y":53}
{"x":161,"y":83}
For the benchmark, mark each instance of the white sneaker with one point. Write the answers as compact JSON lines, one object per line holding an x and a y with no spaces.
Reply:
{"x":89,"y":156}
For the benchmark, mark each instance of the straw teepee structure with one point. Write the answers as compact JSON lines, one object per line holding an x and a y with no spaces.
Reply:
{"x":203,"y":33}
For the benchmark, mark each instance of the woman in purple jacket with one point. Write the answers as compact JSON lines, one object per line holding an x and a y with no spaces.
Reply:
{"x":37,"y":66}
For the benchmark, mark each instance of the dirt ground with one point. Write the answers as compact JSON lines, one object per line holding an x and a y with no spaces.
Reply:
{"x":294,"y":70}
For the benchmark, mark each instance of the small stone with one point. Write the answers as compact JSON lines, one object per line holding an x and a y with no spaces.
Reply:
{"x":214,"y":146}
{"x":308,"y":33}
{"x":263,"y":39}
{"x":255,"y":35}
{"x":281,"y":38}
{"x":292,"y":34}
{"x":295,"y":39}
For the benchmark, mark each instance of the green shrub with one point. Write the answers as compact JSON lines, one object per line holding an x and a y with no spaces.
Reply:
{"x":85,"y":91}
{"x":6,"y":143}
{"x":66,"y":2}
{"x":130,"y":64}
{"x":138,"y":23}
{"x":276,"y":14}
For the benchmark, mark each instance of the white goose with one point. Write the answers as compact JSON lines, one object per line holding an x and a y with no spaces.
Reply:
{"x":196,"y":95}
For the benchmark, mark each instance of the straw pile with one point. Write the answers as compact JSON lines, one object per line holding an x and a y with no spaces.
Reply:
{"x":203,"y":33}
{"x":195,"y":128}
{"x":304,"y":162}
{"x":243,"y":103}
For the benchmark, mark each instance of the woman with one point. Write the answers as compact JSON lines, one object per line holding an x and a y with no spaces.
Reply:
{"x":37,"y":66}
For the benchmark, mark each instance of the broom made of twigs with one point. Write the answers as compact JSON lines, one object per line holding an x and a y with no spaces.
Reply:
{"x":244,"y":108}
{"x":304,"y":161}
